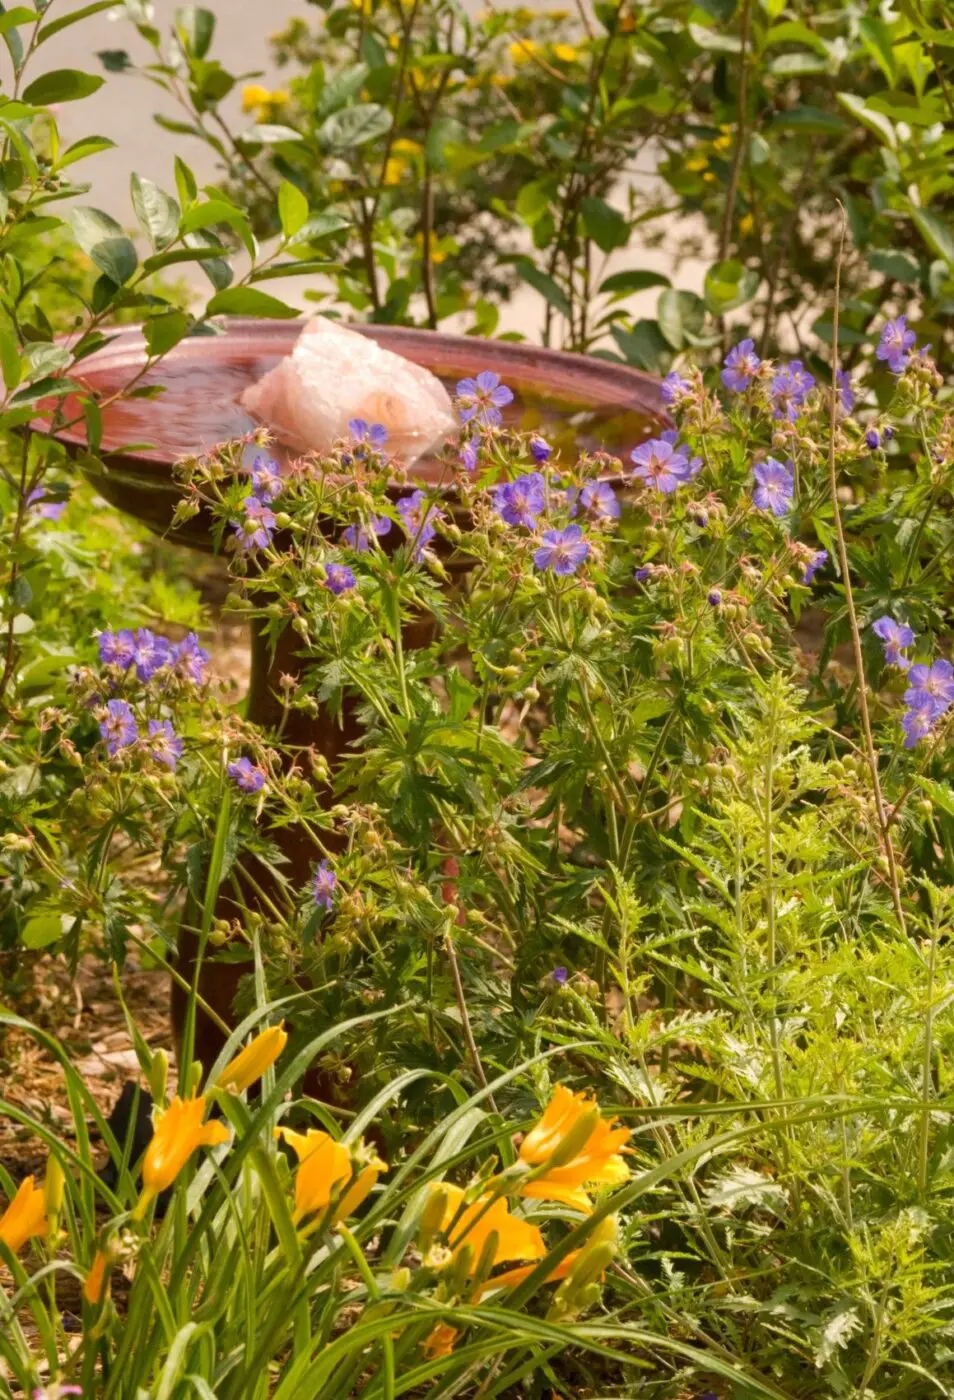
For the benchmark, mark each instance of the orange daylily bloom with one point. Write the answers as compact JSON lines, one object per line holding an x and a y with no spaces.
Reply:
{"x":252,"y":1062}
{"x":25,"y":1217}
{"x":176,"y":1135}
{"x":516,"y":1239}
{"x":324,"y":1166}
{"x":96,"y":1287}
{"x":441,"y":1341}
{"x":572,"y":1123}
{"x":511,"y":1277}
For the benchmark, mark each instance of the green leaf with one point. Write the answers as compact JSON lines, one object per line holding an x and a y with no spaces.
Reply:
{"x":42,"y":930}
{"x":681,"y":317}
{"x":12,"y":19}
{"x":935,"y":232}
{"x":248,"y":301}
{"x":183,"y":255}
{"x":12,"y":40}
{"x":543,"y":284}
{"x":163,"y":332}
{"x":195,"y":28}
{"x":729,"y":284}
{"x":811,"y":120}
{"x":9,"y":358}
{"x":719,"y":10}
{"x":292,"y":208}
{"x":73,"y":17}
{"x":623,"y":283}
{"x":61,"y":85}
{"x":895,"y":263}
{"x":186,"y":185}
{"x":321,"y":226}
{"x":874,"y":121}
{"x":101,"y":237}
{"x":157,"y":212}
{"x":341,"y":88}
{"x":269,"y":134}
{"x":605,"y":225}
{"x":644,"y":346}
{"x":712,"y":40}
{"x":355,"y":126}
{"x":86,"y":146}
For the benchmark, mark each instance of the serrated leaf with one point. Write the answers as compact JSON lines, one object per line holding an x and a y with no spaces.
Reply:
{"x":836,"y":1334}
{"x":741,"y":1186}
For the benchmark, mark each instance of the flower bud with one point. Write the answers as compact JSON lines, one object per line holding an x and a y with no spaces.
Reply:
{"x":159,"y":1076}
{"x":432,"y":1216}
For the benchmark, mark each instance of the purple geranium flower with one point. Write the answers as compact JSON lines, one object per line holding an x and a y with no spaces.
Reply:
{"x":374,"y":434}
{"x":418,"y":519}
{"x":774,"y":485}
{"x":483,"y":398}
{"x":468,"y":456}
{"x":596,"y":498}
{"x":164,"y":744}
{"x":560,"y":976}
{"x":917,"y":724}
{"x":896,"y":636}
{"x":190,"y":659}
{"x":563,"y":551}
{"x":818,"y":561}
{"x":151,"y":654}
{"x":663,"y":465}
{"x":846,"y":394}
{"x":675,"y":390}
{"x":931,"y":687}
{"x":119,"y":727}
{"x":117,"y":648}
{"x":324,"y":884}
{"x":540,"y":449}
{"x":791,"y":385}
{"x":43,"y":508}
{"x":519,"y":502}
{"x":256,"y":530}
{"x":246,"y":776}
{"x":339,"y":578}
{"x":714,"y":597}
{"x":895,"y":344}
{"x":740,"y":366}
{"x":642,"y":573}
{"x":266,"y":479}
{"x":358,"y":537}
{"x":873,"y":439}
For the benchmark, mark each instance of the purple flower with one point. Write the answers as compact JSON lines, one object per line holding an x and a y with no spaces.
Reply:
{"x":468,"y":456}
{"x":740,"y":366}
{"x":483,"y":398}
{"x":117,"y":648}
{"x":818,"y":561}
{"x":418,"y":519}
{"x":560,"y":976}
{"x":339,"y":578}
{"x":895,"y":636}
{"x":189,"y":659}
{"x":358,"y":538}
{"x":663,"y":465}
{"x":246,"y":776}
{"x":151,"y":654}
{"x":917,"y":724}
{"x":519,"y":502}
{"x":642,"y":573}
{"x":266,"y":479}
{"x":256,"y":530}
{"x":42,"y":508}
{"x":774,"y":485}
{"x":596,"y":498}
{"x":675,"y":390}
{"x":931,"y":687}
{"x":324,"y":884}
{"x":374,"y":434}
{"x":563,"y":551}
{"x":540,"y":449}
{"x":895,"y":344}
{"x":714,"y":597}
{"x":164,"y":744}
{"x":888,"y":432}
{"x":119,"y":727}
{"x":846,"y":393}
{"x":873,"y":439}
{"x":791,"y":385}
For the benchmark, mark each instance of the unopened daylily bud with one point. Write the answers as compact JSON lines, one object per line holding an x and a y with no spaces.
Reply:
{"x":432,"y":1217}
{"x":252,"y":1062}
{"x":159,"y":1076}
{"x":53,"y":1184}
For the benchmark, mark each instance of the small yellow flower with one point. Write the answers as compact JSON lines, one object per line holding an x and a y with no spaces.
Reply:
{"x":96,"y":1286}
{"x":25,"y":1217}
{"x":252,"y":1062}
{"x":403,"y":146}
{"x":325,"y":1165}
{"x":253,"y":96}
{"x":566,"y":53}
{"x":394,"y":168}
{"x":695,"y":163}
{"x":709,"y":177}
{"x":516,"y":1239}
{"x":722,"y":143}
{"x":585,"y":1146}
{"x":522,"y":50}
{"x":746,"y":225}
{"x":177,"y":1133}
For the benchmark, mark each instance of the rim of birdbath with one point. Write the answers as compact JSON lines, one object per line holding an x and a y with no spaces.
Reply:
{"x":582,"y":382}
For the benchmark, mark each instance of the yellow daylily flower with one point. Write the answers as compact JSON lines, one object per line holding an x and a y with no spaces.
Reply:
{"x":176,"y":1135}
{"x":516,"y":1239}
{"x":325,"y":1166}
{"x":25,"y":1217}
{"x":252,"y":1062}
{"x":96,"y":1286}
{"x":440,"y":1342}
{"x":586,"y":1148}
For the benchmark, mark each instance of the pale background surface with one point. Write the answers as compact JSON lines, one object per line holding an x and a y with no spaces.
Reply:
{"x":123,"y":110}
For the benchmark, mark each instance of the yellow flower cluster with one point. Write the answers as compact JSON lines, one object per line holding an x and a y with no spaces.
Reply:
{"x":262,"y":101}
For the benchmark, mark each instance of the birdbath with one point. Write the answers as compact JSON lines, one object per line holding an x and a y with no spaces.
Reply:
{"x":577,"y":403}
